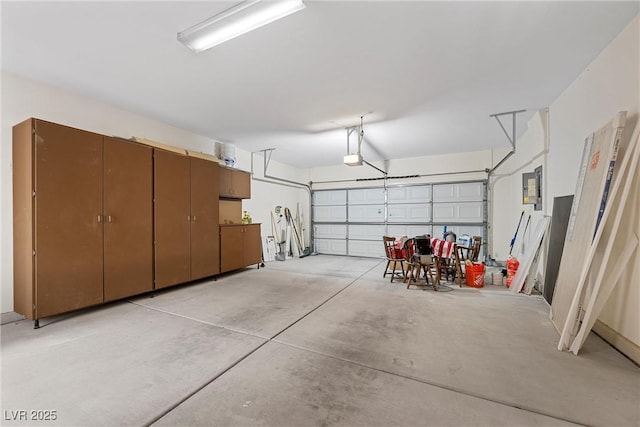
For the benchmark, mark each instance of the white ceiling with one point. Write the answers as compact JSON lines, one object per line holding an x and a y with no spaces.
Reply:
{"x":430,"y":72}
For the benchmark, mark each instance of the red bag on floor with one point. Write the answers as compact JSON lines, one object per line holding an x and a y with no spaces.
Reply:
{"x":512,"y":267}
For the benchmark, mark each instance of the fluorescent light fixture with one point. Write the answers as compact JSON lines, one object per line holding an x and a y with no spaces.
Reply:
{"x":233,"y":22}
{"x":353,"y":159}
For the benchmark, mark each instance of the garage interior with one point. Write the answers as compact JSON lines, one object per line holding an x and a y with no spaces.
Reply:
{"x":318,"y":340}
{"x":291,"y":151}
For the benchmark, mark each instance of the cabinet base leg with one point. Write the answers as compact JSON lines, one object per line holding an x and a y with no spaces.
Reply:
{"x":261,"y":265}
{"x":152,"y":295}
{"x":36,"y":324}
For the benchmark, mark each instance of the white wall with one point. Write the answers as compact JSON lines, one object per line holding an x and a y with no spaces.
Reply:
{"x":266,"y":196}
{"x":611,"y":83}
{"x":23,"y":98}
{"x":505,"y":187}
{"x":608,"y":85}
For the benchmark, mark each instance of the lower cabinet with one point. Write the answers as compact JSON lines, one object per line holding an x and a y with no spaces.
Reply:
{"x":239,"y":246}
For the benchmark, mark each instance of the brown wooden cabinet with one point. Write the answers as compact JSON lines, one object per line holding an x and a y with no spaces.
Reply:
{"x":65,"y":180}
{"x":239,"y":246}
{"x":234,"y":184}
{"x":98,"y":218}
{"x":205,"y":240}
{"x":172,"y":215}
{"x":186,"y":218}
{"x":128,"y":219}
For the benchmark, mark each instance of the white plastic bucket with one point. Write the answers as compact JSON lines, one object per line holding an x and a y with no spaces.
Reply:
{"x":228,"y":154}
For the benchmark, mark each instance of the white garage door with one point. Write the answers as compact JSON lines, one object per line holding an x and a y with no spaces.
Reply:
{"x":353,"y":221}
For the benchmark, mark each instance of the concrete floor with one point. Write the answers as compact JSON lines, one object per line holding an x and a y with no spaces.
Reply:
{"x":322,"y":340}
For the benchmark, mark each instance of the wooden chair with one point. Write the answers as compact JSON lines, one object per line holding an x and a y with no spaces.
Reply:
{"x":394,"y":258}
{"x":416,"y":264}
{"x":448,"y":261}
{"x":411,"y":266}
{"x":475,"y":248}
{"x":455,"y":265}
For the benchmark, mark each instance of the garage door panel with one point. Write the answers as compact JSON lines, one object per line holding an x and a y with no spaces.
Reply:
{"x":352,"y":221}
{"x":458,"y":212}
{"x":471,"y":211}
{"x":409,"y":213}
{"x":468,"y":191}
{"x":366,"y":196}
{"x":444,"y":212}
{"x":409,"y":230}
{"x":334,"y":197}
{"x":330,"y":213}
{"x":366,"y":232}
{"x":417,"y":194}
{"x":471,"y":191}
{"x":444,"y":192}
{"x":331,"y":247}
{"x":366,"y":248}
{"x":366,"y":213}
{"x":330,"y":231}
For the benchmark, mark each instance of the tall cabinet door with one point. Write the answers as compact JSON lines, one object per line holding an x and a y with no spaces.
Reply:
{"x":205,"y":239}
{"x":172,"y":218}
{"x":68,"y":218}
{"x":128,"y":223}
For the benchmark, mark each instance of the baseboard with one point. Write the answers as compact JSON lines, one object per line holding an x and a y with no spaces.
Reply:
{"x":9,"y":317}
{"x":624,"y":345}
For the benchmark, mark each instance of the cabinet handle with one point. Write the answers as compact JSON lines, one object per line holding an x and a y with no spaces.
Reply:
{"x":188,"y":217}
{"x":99,"y":218}
{"x":194,"y":218}
{"x":108,"y":218}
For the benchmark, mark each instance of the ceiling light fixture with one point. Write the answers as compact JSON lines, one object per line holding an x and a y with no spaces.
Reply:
{"x":235,"y":21}
{"x":355,"y":159}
